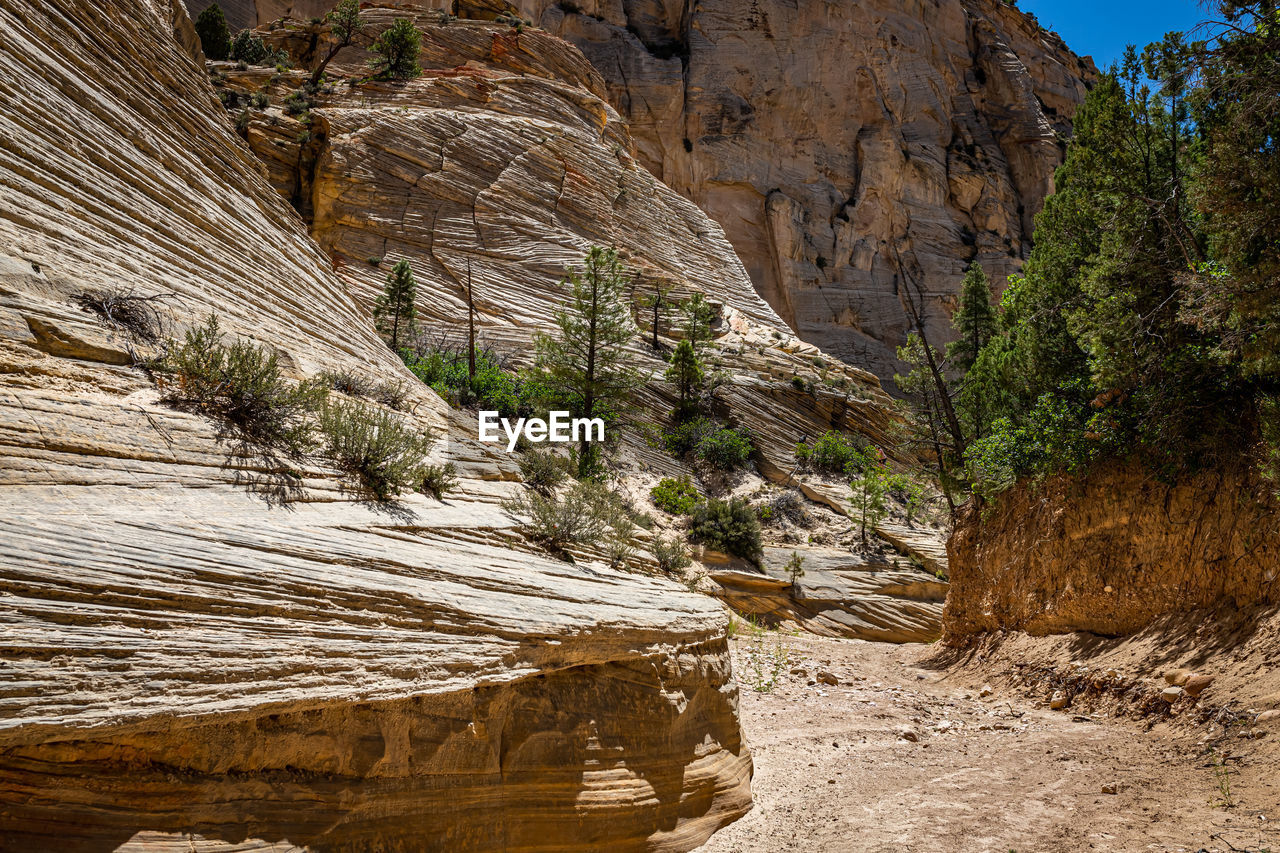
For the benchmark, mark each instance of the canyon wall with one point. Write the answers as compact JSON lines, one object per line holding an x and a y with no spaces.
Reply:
{"x":1111,"y":552}
{"x":207,"y":648}
{"x":858,"y":156}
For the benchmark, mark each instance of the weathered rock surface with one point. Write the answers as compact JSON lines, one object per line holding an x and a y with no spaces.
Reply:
{"x":857,"y":156}
{"x":1111,"y":553}
{"x":187,"y":666}
{"x":840,"y":595}
{"x":495,"y":170}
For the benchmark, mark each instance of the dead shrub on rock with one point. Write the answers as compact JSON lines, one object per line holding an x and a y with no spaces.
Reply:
{"x":124,"y":311}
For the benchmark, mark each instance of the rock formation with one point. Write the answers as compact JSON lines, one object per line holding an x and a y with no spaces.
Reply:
{"x":188,"y":666}
{"x":858,"y":156}
{"x":840,"y":595}
{"x":1111,"y":553}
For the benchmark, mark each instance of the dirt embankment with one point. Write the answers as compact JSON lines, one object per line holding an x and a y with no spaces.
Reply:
{"x":1111,"y":553}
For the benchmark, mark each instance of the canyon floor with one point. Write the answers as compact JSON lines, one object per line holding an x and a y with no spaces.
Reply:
{"x":837,"y":770}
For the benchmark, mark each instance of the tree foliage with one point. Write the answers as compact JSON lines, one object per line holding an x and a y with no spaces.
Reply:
{"x":345,"y":26}
{"x":586,"y":365}
{"x":1144,"y":323}
{"x":215,"y":35}
{"x":394,"y":310}
{"x":397,"y":49}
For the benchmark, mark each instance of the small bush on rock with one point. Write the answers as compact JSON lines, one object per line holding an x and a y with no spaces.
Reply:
{"x":543,"y":470}
{"x":832,"y":453}
{"x":374,"y":447}
{"x":439,"y":480}
{"x":249,"y":47}
{"x":728,"y":526}
{"x":676,"y":496}
{"x":241,"y":386}
{"x":584,"y":514}
{"x":671,"y":554}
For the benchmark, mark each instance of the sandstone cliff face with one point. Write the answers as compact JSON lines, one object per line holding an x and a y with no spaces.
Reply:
{"x":497,"y":168}
{"x":188,"y":666}
{"x":1110,"y":553}
{"x":858,"y":156}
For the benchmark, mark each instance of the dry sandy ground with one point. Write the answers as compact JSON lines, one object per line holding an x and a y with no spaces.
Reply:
{"x":1000,"y":773}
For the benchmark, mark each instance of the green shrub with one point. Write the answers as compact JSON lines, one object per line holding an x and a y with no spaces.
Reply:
{"x":438,"y":480}
{"x":832,"y":453}
{"x":241,"y":386}
{"x":249,"y":47}
{"x":671,"y":554}
{"x":794,"y":568}
{"x":297,"y":104}
{"x":728,"y":526}
{"x":543,"y":470}
{"x":722,"y":447}
{"x":397,"y":49}
{"x":446,"y":372}
{"x":260,"y":100}
{"x":374,"y":447}
{"x":676,"y":496}
{"x":685,"y":437}
{"x":727,"y":449}
{"x":907,"y":492}
{"x":584,"y":514}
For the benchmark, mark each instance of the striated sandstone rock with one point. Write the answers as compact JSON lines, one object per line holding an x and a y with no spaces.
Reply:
{"x":1040,"y":558}
{"x":190,"y":667}
{"x":840,"y":595}
{"x":853,"y":153}
{"x":498,"y":167}
{"x":856,"y":155}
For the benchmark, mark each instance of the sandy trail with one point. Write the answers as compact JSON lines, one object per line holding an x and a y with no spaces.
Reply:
{"x":834,"y":773}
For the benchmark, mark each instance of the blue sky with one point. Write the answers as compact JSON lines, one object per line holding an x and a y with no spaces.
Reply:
{"x":1102,"y":29}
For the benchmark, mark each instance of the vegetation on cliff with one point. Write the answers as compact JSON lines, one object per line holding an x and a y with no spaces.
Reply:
{"x":1144,"y":323}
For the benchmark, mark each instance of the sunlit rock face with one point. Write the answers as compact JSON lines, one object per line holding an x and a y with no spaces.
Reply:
{"x":204,"y":650}
{"x":859,"y":156}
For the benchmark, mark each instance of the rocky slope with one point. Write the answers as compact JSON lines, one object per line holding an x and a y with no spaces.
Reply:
{"x":190,"y":666}
{"x":1111,"y":553}
{"x":857,"y":156}
{"x":495,"y":169}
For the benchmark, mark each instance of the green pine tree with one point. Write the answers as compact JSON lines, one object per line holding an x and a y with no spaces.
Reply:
{"x":687,"y":375}
{"x":397,"y":49}
{"x":394,"y":311}
{"x":586,"y":366}
{"x":974,"y":320}
{"x":698,"y":314}
{"x":215,"y":35}
{"x":868,"y":499}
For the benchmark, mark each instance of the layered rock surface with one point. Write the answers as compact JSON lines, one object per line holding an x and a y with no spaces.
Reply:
{"x":497,"y":168}
{"x":1111,"y":553}
{"x":858,"y":156}
{"x":840,"y":595}
{"x":189,"y":666}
